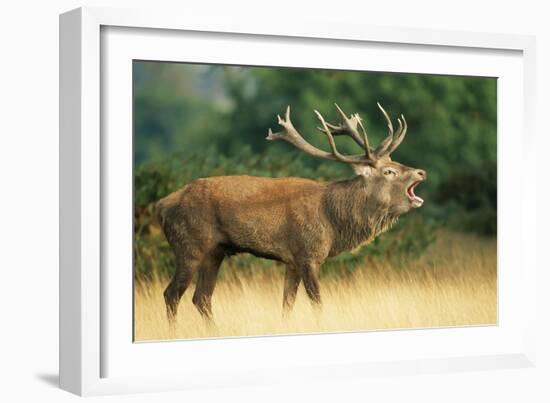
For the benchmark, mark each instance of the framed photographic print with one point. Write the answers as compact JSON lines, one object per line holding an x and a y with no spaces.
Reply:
{"x":240,"y":203}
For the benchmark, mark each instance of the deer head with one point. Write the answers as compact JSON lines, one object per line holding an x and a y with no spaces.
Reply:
{"x":388,"y":184}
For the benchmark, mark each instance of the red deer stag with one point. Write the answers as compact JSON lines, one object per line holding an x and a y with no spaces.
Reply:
{"x":297,"y":221}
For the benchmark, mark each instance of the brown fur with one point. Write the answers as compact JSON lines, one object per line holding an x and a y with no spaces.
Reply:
{"x":296,"y":221}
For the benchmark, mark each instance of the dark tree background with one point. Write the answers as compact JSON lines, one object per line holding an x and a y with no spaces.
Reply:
{"x":201,"y":120}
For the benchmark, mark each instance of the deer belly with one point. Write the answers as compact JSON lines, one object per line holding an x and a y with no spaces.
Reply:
{"x":258,"y":235}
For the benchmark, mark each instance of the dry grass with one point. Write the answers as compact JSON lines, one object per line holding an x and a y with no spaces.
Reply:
{"x":453,"y":284}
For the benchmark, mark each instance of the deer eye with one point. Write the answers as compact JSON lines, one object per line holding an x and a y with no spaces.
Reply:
{"x":390,"y":171}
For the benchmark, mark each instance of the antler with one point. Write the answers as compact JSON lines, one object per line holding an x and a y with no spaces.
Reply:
{"x":349,"y":127}
{"x":291,"y":135}
{"x":392,"y":141}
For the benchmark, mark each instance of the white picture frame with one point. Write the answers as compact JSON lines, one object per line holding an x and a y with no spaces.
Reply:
{"x":95,"y":352}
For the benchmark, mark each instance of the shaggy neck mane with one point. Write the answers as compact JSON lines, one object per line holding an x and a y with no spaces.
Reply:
{"x":356,"y":220}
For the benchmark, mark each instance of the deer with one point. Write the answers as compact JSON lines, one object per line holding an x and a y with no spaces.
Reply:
{"x":298,"y":222}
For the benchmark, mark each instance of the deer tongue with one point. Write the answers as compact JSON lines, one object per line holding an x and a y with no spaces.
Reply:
{"x":416,"y":201}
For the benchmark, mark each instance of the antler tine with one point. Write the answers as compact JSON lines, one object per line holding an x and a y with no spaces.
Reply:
{"x":383,"y":146}
{"x":350,"y":128}
{"x":341,"y":129}
{"x":330,"y":138}
{"x":400,"y":128}
{"x":399,"y":136}
{"x":336,"y":130}
{"x":390,"y":125}
{"x":392,"y":141}
{"x":341,"y":112}
{"x":292,"y":136}
{"x":351,"y":125}
{"x":365,"y":136}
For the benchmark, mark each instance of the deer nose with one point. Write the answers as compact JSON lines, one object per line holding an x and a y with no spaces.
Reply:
{"x":421,"y":173}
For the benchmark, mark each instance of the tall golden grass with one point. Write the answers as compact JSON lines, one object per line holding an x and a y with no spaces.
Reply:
{"x":453,"y":284}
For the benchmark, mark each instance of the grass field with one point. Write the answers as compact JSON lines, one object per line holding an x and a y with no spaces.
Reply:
{"x":453,"y":284}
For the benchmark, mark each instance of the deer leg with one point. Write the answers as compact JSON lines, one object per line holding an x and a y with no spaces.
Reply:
{"x":310,"y":276}
{"x":208,"y":274}
{"x":185,"y":269}
{"x":292,"y":280}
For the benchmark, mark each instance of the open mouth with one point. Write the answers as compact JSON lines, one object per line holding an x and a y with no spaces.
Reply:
{"x":415,"y":200}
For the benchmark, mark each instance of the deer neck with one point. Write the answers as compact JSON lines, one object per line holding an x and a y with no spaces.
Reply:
{"x":355,"y":217}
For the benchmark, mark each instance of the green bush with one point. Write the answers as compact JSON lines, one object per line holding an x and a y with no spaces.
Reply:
{"x":156,"y":179}
{"x":469,"y":196}
{"x":194,"y":121}
{"x":406,"y":241}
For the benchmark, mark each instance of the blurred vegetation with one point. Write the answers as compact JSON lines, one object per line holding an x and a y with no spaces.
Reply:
{"x":194,"y":121}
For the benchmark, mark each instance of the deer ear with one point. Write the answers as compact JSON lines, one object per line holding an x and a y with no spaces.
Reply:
{"x":363,"y":170}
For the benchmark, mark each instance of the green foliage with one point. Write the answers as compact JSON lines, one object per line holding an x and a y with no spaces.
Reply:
{"x":407,"y":240}
{"x":470,"y":194}
{"x":156,"y":179}
{"x":152,"y":256}
{"x":452,"y":120}
{"x":194,"y":121}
